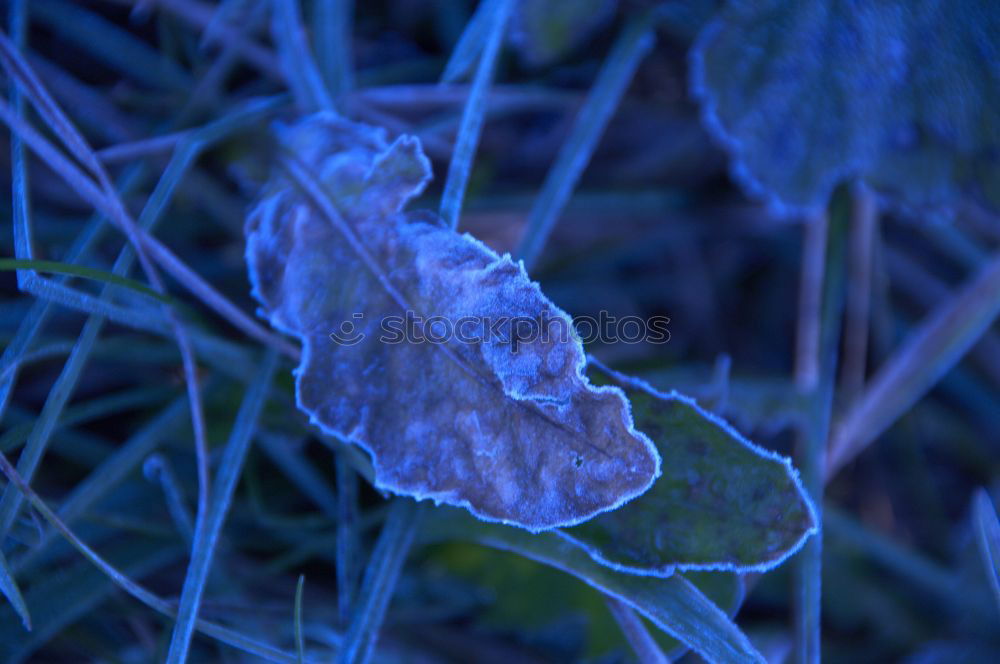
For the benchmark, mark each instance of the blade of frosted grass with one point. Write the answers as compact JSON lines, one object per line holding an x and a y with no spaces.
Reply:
{"x":41,"y":353}
{"x":200,"y":15}
{"x":864,"y":233}
{"x":470,"y":44}
{"x":117,"y":48}
{"x":916,"y":282}
{"x":13,"y":594}
{"x":473,"y":114}
{"x":821,"y":303}
{"x":988,"y":538}
{"x":39,"y":311}
{"x":20,"y":206}
{"x":925,"y":356}
{"x":643,"y":644}
{"x":19,"y":70}
{"x":332,"y":20}
{"x":41,"y":433}
{"x":57,"y":267}
{"x":297,"y":62}
{"x":635,"y":41}
{"x":137,"y":591}
{"x":673,"y":604}
{"x":173,"y":265}
{"x":69,"y":593}
{"x":137,"y":317}
{"x":305,"y":478}
{"x":223,"y":16}
{"x":379,"y":582}
{"x":347,"y":534}
{"x":93,"y":109}
{"x":157,"y":469}
{"x":807,"y":574}
{"x":113,"y":471}
{"x":299,"y":643}
{"x":142,"y":148}
{"x":209,"y":525}
{"x":209,"y":94}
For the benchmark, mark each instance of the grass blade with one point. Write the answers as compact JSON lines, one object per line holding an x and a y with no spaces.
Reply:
{"x":821,"y":304}
{"x":56,"y":400}
{"x":673,"y":603}
{"x":332,"y":20}
{"x":380,"y":581}
{"x":56,"y":267}
{"x":113,"y":471}
{"x":299,"y":643}
{"x":8,"y":586}
{"x":137,"y":591}
{"x":347,"y":534}
{"x":297,"y":62}
{"x":925,"y":356}
{"x":474,"y":113}
{"x":301,"y":473}
{"x":209,"y":525}
{"x":644,"y":645}
{"x":116,"y":47}
{"x":470,"y":44}
{"x":632,"y":45}
{"x":988,"y":537}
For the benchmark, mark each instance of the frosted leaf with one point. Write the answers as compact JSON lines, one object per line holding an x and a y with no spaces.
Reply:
{"x":721,"y":502}
{"x":904,"y":94}
{"x":506,"y":425}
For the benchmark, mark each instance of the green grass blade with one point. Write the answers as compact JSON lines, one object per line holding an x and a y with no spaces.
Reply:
{"x":631,"y":47}
{"x":380,"y":581}
{"x":474,"y":114}
{"x":988,"y":538}
{"x":207,"y":531}
{"x":56,"y":267}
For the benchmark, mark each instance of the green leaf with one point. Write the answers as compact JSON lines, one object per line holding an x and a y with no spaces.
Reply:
{"x":673,"y":604}
{"x":720,"y":503}
{"x":904,"y":94}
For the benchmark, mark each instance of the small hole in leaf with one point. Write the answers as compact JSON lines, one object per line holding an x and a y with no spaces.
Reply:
{"x":578,"y":461}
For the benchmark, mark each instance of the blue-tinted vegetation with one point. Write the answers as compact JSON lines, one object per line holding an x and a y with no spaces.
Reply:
{"x":440,"y":331}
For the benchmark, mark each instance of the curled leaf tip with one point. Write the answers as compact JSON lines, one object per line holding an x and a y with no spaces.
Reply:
{"x":440,"y":358}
